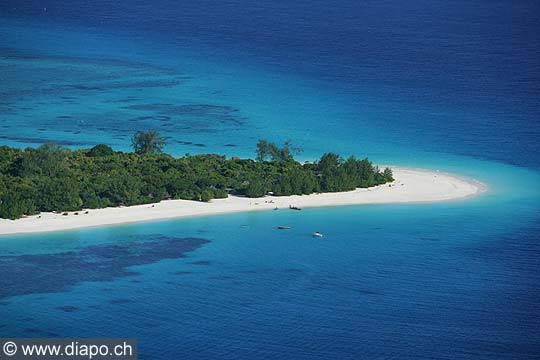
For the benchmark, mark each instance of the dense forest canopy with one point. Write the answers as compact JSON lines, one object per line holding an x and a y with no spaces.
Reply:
{"x":54,"y":178}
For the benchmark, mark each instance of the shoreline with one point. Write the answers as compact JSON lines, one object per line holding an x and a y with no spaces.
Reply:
{"x":410,"y":186}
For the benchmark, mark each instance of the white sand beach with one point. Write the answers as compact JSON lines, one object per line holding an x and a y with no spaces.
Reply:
{"x":410,"y":186}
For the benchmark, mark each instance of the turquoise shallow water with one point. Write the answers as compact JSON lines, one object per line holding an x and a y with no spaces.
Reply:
{"x":454,"y":279}
{"x":450,"y":280}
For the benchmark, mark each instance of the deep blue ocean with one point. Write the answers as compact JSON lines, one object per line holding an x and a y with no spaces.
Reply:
{"x":448,"y":85}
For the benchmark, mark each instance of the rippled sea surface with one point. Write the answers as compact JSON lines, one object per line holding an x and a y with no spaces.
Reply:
{"x":446,"y":85}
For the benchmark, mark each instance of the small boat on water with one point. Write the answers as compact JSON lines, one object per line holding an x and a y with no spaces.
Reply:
{"x":284,"y":227}
{"x":294,"y":207}
{"x":318,"y":234}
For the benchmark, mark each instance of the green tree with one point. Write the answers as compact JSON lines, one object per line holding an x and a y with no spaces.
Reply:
{"x":59,"y":194}
{"x":206,"y":195}
{"x":267,"y":150}
{"x":48,"y":159}
{"x":13,"y":207}
{"x":388,"y":175}
{"x":255,"y":188}
{"x":148,"y":142}
{"x":100,"y":150}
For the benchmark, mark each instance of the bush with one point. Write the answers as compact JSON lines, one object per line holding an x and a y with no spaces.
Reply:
{"x":255,"y":189}
{"x":14,"y":208}
{"x":206,"y":195}
{"x":220,"y":194}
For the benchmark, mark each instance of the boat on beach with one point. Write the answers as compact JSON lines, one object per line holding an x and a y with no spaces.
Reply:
{"x":294,"y":207}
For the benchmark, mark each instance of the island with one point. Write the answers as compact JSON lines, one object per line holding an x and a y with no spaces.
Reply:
{"x":53,"y":188}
